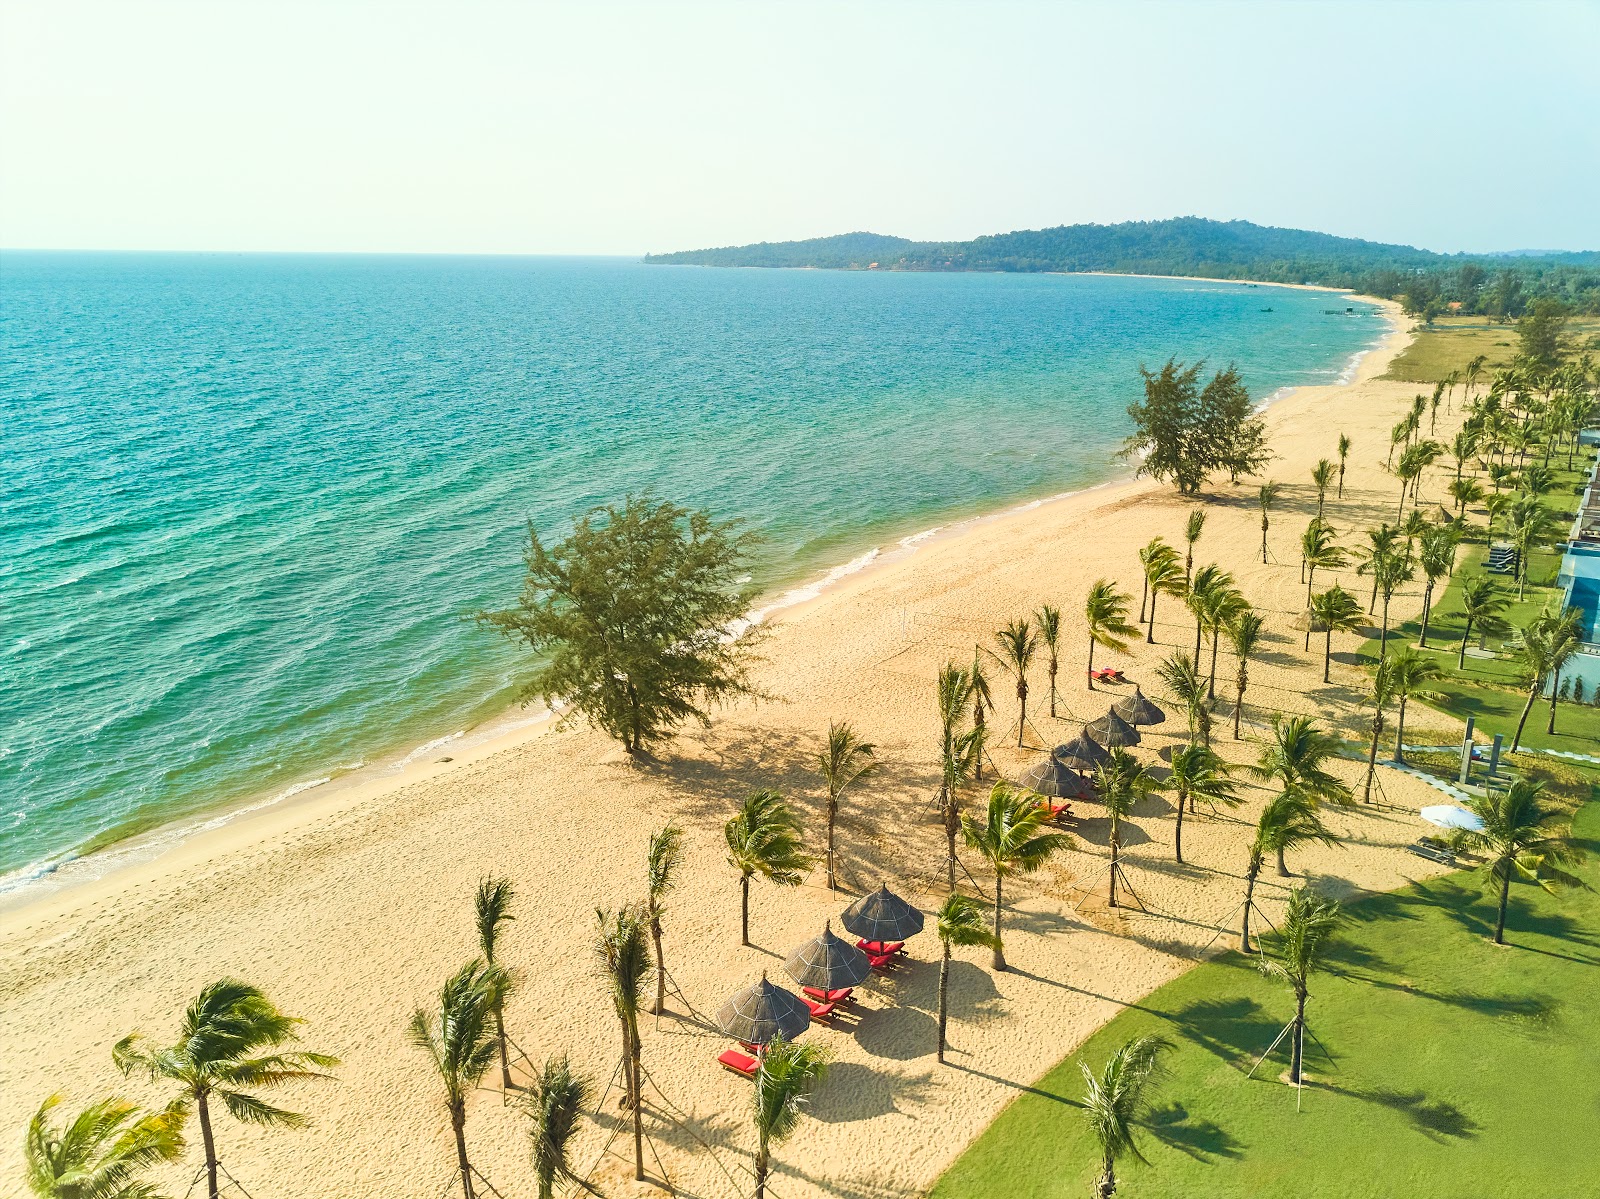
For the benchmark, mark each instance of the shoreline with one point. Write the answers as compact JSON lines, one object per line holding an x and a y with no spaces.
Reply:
{"x":76,"y":872}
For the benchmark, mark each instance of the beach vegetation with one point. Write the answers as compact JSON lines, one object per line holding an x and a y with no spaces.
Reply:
{"x":960,"y":752}
{"x":1117,"y":1099}
{"x":103,"y":1152}
{"x":1162,"y":576}
{"x":1048,"y":622}
{"x":845,"y":760}
{"x":1266,"y":496}
{"x":1009,"y":838}
{"x":1185,"y":433}
{"x":786,"y":1075}
{"x":1105,"y":613}
{"x":1244,"y":630}
{"x":1410,"y":670}
{"x":1198,"y":774}
{"x":1296,"y":756}
{"x":1018,"y":645}
{"x":663,"y":856}
{"x":1521,"y":837}
{"x":1187,"y":685}
{"x":491,"y":909}
{"x":763,"y":838}
{"x":1122,"y":781}
{"x":960,"y":925}
{"x":1336,"y":611}
{"x":1298,"y":949}
{"x":554,"y":1105}
{"x":1288,"y":821}
{"x":623,"y":951}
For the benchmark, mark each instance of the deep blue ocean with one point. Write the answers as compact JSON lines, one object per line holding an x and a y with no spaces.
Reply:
{"x":246,"y":500}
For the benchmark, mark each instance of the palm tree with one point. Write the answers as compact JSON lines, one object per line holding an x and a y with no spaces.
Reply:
{"x":1437,"y":559}
{"x":846,"y":759}
{"x":492,"y":907}
{"x":1187,"y":685}
{"x":1106,"y":613}
{"x":1475,"y":370}
{"x":1318,"y":548}
{"x":459,"y":1039}
{"x":1409,"y":672}
{"x":1162,"y":577}
{"x":1547,"y":642}
{"x":959,"y":755}
{"x":1298,"y":951}
{"x":1198,"y":773}
{"x":1288,"y":821}
{"x":1531,"y":522}
{"x":960,"y":923}
{"x":1378,"y":699}
{"x":1244,"y":634}
{"x":1048,"y":620}
{"x":1018,"y":645}
{"x":1389,"y":570}
{"x":1010,"y":841}
{"x":1322,"y":479}
{"x":1380,"y":541}
{"x":1209,"y":590}
{"x":1464,"y":492}
{"x":555,"y":1104}
{"x":764,"y":838}
{"x":981,"y":699}
{"x":1520,"y":837}
{"x":1565,"y":639}
{"x":1296,"y":756}
{"x":661,"y":868}
{"x":624,"y":956}
{"x":1462,"y":447}
{"x":1122,"y":782}
{"x":101,"y":1152}
{"x":1481,"y":606}
{"x":1155,"y":550}
{"x":1266,"y":494}
{"x":1338,"y":612}
{"x":1192,"y":528}
{"x":1222,"y":605}
{"x":218,"y":1052}
{"x":786,"y":1074}
{"x":1116,"y":1101}
{"x":1344,"y":452}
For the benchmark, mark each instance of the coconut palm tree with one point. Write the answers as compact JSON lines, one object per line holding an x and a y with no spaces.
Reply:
{"x":1048,"y":622}
{"x":1122,"y":782}
{"x":1380,"y":541}
{"x":1520,"y":838}
{"x":1192,"y":528}
{"x":959,"y":756}
{"x":1188,"y":686}
{"x":1009,"y":839}
{"x":786,"y":1074}
{"x":1409,"y":672}
{"x":1464,"y":492}
{"x":1547,"y":642}
{"x":960,"y":924}
{"x":1344,"y":452}
{"x":1298,"y":951}
{"x":1462,"y":446}
{"x":1244,"y":634}
{"x":1222,"y":606}
{"x":1296,"y":756}
{"x":846,"y":759}
{"x":623,"y":952}
{"x":1437,"y":559}
{"x":1288,"y":821}
{"x":1530,"y":522}
{"x":1105,"y":611}
{"x":1018,"y":645}
{"x":1163,"y":576}
{"x":1322,"y":479}
{"x":1266,"y":496}
{"x":1198,"y":773}
{"x":1389,"y":570}
{"x":1378,"y":699}
{"x":1474,"y":371}
{"x":101,"y":1152}
{"x":764,"y":838}
{"x":492,"y":908}
{"x":554,"y":1104}
{"x":1318,"y":549}
{"x":1338,"y":612}
{"x":662,"y":857}
{"x":982,"y":700}
{"x":1208,"y":596}
{"x":1481,"y":606}
{"x":1154,"y":551}
{"x":458,"y":1038}
{"x":1565,"y":640}
{"x":1116,"y":1100}
{"x":219,"y":1051}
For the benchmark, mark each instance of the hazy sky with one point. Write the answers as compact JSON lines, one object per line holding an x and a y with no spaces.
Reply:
{"x":614,"y":128}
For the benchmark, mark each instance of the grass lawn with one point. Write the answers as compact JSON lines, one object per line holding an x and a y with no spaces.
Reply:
{"x":1461,"y":1070}
{"x":1453,"y":341}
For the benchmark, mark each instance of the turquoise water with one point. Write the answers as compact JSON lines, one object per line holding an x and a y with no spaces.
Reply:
{"x":246,"y":500}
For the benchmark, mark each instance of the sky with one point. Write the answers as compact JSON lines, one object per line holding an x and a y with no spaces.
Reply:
{"x":613,"y":128}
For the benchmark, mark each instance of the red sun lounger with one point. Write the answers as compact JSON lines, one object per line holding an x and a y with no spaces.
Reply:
{"x":733,"y":1060}
{"x":820,"y":1011}
{"x":821,"y":996}
{"x":880,"y":961}
{"x":880,"y":948}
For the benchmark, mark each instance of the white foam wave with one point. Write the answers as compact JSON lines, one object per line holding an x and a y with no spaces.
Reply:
{"x":801,"y":595}
{"x":428,"y":747}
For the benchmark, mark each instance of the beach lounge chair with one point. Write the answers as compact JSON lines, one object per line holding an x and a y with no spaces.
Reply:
{"x":1057,"y":810}
{"x":819,"y":1011}
{"x":835,"y":997}
{"x":880,"y":961}
{"x":1433,"y":853}
{"x":881,"y":948}
{"x":732,"y":1059}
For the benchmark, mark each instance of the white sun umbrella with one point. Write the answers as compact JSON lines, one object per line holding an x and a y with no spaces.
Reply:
{"x":1449,"y":816}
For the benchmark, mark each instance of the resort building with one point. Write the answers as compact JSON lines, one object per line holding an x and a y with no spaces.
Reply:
{"x":1579,"y":580}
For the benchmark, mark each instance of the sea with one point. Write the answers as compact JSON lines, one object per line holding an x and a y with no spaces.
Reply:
{"x":248,"y":503}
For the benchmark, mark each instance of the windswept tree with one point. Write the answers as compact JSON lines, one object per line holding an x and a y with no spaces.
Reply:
{"x":492,"y":908}
{"x":1319,"y":549}
{"x":1288,"y":821}
{"x":103,"y":1152}
{"x":1105,"y":612}
{"x":1463,"y":492}
{"x":961,"y":924}
{"x":1378,"y":699}
{"x":1188,"y":686}
{"x":229,"y":1040}
{"x":1018,"y":645}
{"x":1337,"y":611}
{"x":1390,"y":570}
{"x":1296,"y":756}
{"x":1410,"y":671}
{"x":1520,"y":838}
{"x":1437,"y":559}
{"x":1122,"y":782}
{"x":785,"y":1075}
{"x":764,"y":838}
{"x":1244,"y":634}
{"x":1344,"y":452}
{"x":959,"y":754}
{"x":1048,"y":622}
{"x":1266,"y":496}
{"x":662,"y":858}
{"x":1163,"y":576}
{"x":630,"y":616}
{"x":846,"y":759}
{"x":1547,"y":642}
{"x":1298,"y":951}
{"x":1193,"y":526}
{"x":554,"y":1106}
{"x":1322,"y":479}
{"x":1154,"y":551}
{"x":1482,"y":603}
{"x":1198,"y":774}
{"x":1117,"y":1099}
{"x":1380,"y":541}
{"x":1009,"y":839}
{"x":1213,"y":600}
{"x":623,"y":953}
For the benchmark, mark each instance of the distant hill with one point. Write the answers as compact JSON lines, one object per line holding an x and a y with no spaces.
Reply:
{"x":1196,"y":246}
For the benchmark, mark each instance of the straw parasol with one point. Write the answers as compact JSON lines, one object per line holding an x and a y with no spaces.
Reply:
{"x":1309,"y":622}
{"x":1051,"y":778}
{"x":827,"y":963}
{"x":1111,"y":730}
{"x":1083,"y":752}
{"x":762,"y":1012}
{"x":882,"y":916}
{"x":1137,"y":710}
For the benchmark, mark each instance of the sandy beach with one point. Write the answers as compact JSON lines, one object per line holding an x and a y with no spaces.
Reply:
{"x":350,"y":906}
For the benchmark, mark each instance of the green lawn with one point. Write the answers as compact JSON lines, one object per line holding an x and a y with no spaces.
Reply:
{"x":1460,"y":1071}
{"x":1453,"y":341}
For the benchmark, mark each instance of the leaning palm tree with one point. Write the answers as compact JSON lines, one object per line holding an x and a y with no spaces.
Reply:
{"x":1188,"y":686}
{"x":1299,"y":950}
{"x":1319,"y":549}
{"x":846,"y":759}
{"x":1389,"y":570}
{"x":1296,"y":756}
{"x":764,"y":838}
{"x":1378,"y":699}
{"x":1337,"y":611}
{"x":1288,"y":821}
{"x":1266,"y":494}
{"x":1409,"y":673}
{"x":554,"y":1105}
{"x":1547,"y":644}
{"x":1209,"y":590}
{"x":623,"y":951}
{"x":1163,"y":576}
{"x":219,"y":1052}
{"x":1009,"y":839}
{"x":458,"y":1038}
{"x":1482,"y":603}
{"x":1105,"y":611}
{"x":1221,"y":605}
{"x":661,"y":868}
{"x":101,"y":1153}
{"x":959,"y":756}
{"x":1437,"y":559}
{"x":1244,"y":634}
{"x":1048,"y":620}
{"x":960,"y":924}
{"x":1192,"y":528}
{"x":1344,"y":452}
{"x":784,"y":1077}
{"x":1380,"y":541}
{"x":1198,"y":774}
{"x":1520,"y":837}
{"x":1154,"y":551}
{"x":1116,"y":1101}
{"x":982,"y":701}
{"x":1322,"y":479}
{"x":1018,"y":645}
{"x":1464,"y":492}
{"x":1122,"y":782}
{"x":492,"y":908}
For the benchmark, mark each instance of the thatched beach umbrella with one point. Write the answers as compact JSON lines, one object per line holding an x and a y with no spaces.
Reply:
{"x":1083,"y":752}
{"x":827,"y":963}
{"x":1051,"y":778}
{"x":762,"y":1012}
{"x":1111,"y":730}
{"x":1309,"y":622}
{"x":1137,"y":710}
{"x":881,"y":916}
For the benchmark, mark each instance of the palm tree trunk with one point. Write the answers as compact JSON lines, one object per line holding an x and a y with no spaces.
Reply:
{"x":638,"y":1105}
{"x":1238,"y":701}
{"x":1198,"y":626}
{"x":1383,"y":637}
{"x":1297,"y":1058}
{"x":833,"y":814}
{"x":1461,"y":658}
{"x":1283,"y":867}
{"x":1555,"y":685}
{"x":1533,"y":693}
{"x":1427,"y":608}
{"x":458,"y":1125}
{"x":950,"y":840}
{"x":1249,"y":901}
{"x":500,"y":1035}
{"x":1211,"y":683}
{"x":1341,"y":480}
{"x":1177,"y":829}
{"x":661,"y":967}
{"x":1500,"y":917}
{"x":744,"y":909}
{"x":211,"y":1149}
{"x":1263,"y":539}
{"x":1310,"y":579}
{"x":1114,"y":848}
{"x":1053,"y":666}
{"x":1106,"y":1185}
{"x":999,"y":949}
{"x":1327,"y":656}
{"x":1372,"y":755}
{"x":1091,"y":658}
{"x":761,"y":1170}
{"x":1150,"y":633}
{"x":944,"y":992}
{"x":1022,"y":720}
{"x":1144,"y":592}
